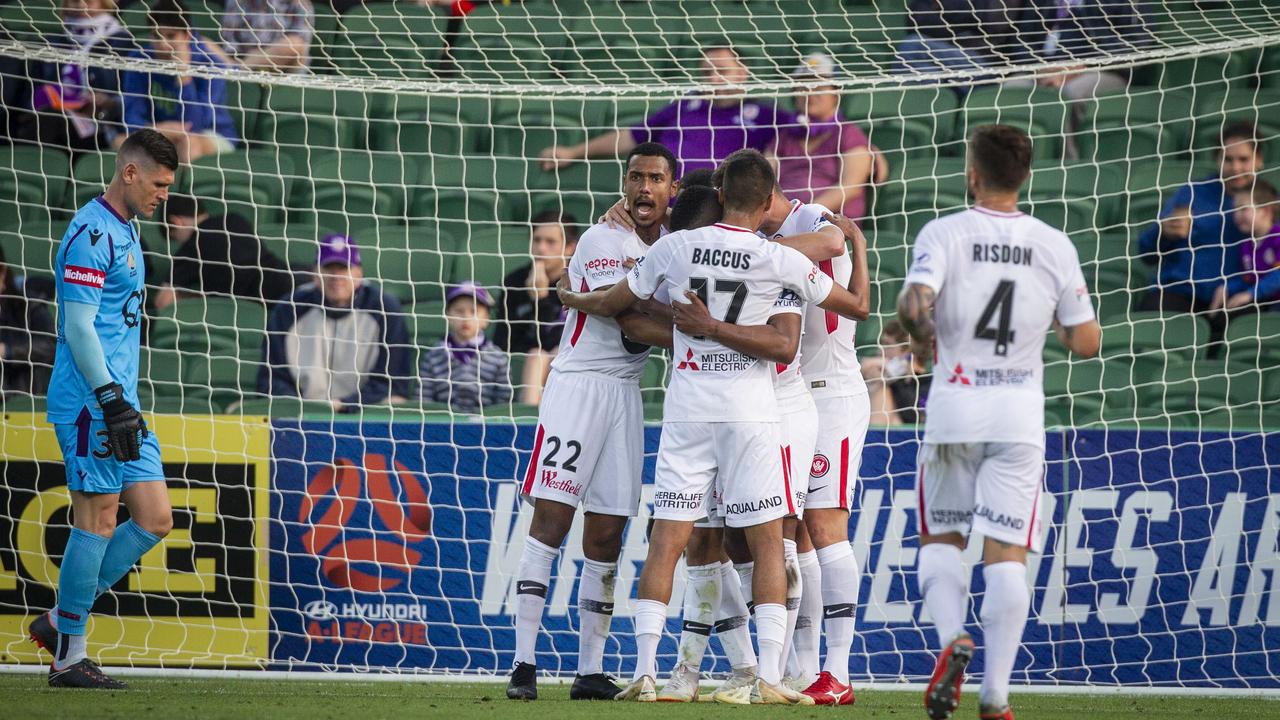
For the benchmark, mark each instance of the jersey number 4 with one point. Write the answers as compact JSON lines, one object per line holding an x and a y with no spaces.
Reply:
{"x":1001,"y":302}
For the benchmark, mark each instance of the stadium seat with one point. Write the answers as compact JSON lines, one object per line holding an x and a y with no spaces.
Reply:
{"x":426,"y":322}
{"x":393,"y":40}
{"x":412,"y":275}
{"x":199,"y":325}
{"x":1037,"y":110}
{"x":653,"y":381}
{"x":509,"y":44}
{"x":29,"y":21}
{"x":359,"y":186}
{"x":91,"y":176}
{"x":413,"y":125}
{"x":525,"y":132}
{"x":295,"y":241}
{"x":311,"y":123}
{"x":254,"y":184}
{"x":1254,"y":339}
{"x":1178,"y":334}
{"x":33,"y":179}
{"x":29,"y":246}
{"x":458,"y":213}
{"x":283,"y":407}
{"x":1137,"y":124}
{"x":913,"y":118}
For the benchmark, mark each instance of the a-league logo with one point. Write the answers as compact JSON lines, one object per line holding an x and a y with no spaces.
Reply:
{"x":820,"y":466}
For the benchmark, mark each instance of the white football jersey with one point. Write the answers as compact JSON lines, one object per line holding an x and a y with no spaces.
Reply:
{"x":1000,"y":280}
{"x":596,"y":344}
{"x":828,"y":358}
{"x":740,"y":277}
{"x":788,"y":385}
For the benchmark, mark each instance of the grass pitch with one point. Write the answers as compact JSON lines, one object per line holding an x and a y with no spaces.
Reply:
{"x":27,"y":696}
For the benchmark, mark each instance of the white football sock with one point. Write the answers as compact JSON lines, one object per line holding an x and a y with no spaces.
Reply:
{"x":733,"y":620}
{"x":941,"y":575}
{"x":771,"y":627}
{"x":70,"y":650}
{"x":650,"y":619}
{"x":746,"y":571}
{"x":1004,"y":615}
{"x":701,"y":601}
{"x":839,"y":605}
{"x":531,"y":596}
{"x":595,"y":613}
{"x":809,"y":622}
{"x":795,"y":586}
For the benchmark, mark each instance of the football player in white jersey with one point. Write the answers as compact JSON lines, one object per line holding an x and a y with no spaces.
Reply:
{"x":985,"y":286}
{"x":720,"y":415}
{"x":786,"y":221}
{"x":588,"y":448}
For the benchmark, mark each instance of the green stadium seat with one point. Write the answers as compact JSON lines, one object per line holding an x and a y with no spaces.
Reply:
{"x":295,"y":241}
{"x":254,"y":184}
{"x":1179,"y":334}
{"x":525,"y":133}
{"x":459,"y":213}
{"x":1037,"y":110}
{"x":411,"y":274}
{"x":356,"y":186}
{"x":33,"y":179}
{"x":30,"y":246}
{"x":912,"y":118}
{"x":393,"y":40}
{"x":426,"y":322}
{"x":30,"y":21}
{"x":509,"y":44}
{"x":199,"y":325}
{"x":1254,"y":340}
{"x":413,"y":124}
{"x":653,"y":381}
{"x":282,"y":407}
{"x":91,"y":176}
{"x":309,"y":124}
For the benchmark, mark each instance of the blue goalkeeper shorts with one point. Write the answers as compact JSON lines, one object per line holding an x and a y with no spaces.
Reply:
{"x":91,"y":468}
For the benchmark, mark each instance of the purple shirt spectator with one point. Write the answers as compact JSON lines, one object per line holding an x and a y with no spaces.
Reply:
{"x":1260,"y":260}
{"x":810,"y":161}
{"x":702,"y":134}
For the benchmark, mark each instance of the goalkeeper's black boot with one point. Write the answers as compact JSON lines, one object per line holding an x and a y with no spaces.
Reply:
{"x":84,"y":674}
{"x":43,"y":633}
{"x":593,"y":687}
{"x":524,"y":682}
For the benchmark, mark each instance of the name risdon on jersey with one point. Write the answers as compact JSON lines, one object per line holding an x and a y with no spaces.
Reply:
{"x":828,"y":360}
{"x":99,"y":262}
{"x":596,"y":344}
{"x":739,"y":276}
{"x":1000,"y":280}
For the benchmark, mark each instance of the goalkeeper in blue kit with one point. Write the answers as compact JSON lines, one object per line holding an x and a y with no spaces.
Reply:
{"x":109,"y":453}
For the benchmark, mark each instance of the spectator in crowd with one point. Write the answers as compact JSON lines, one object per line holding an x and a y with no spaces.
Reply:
{"x":466,"y":370}
{"x":897,"y":380}
{"x":191,"y":111}
{"x":273,"y":35}
{"x":26,"y":337}
{"x":964,"y":35}
{"x":1067,"y":31}
{"x":1194,"y":246}
{"x":221,"y":255}
{"x":340,"y":340}
{"x":77,"y":104}
{"x":1258,"y":218}
{"x":701,"y":129}
{"x":532,"y":317}
{"x":829,"y":160}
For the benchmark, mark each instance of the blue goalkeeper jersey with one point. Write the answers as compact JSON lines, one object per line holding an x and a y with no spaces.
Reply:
{"x":99,"y":263}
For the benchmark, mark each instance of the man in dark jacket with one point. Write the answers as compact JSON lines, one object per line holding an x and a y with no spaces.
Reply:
{"x":340,"y":340}
{"x":26,"y":336}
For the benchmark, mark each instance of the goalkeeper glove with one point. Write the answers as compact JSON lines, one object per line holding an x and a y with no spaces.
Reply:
{"x":125,"y":426}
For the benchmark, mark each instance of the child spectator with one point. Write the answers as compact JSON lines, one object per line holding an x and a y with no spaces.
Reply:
{"x":1256,"y":216}
{"x":466,"y":370}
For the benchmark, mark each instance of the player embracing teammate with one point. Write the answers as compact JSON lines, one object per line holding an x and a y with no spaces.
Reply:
{"x":719,"y":453}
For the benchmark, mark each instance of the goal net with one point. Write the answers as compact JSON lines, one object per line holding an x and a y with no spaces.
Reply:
{"x":359,"y":517}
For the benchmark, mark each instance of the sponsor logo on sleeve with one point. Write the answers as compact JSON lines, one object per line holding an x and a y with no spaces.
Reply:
{"x":601,"y":267}
{"x":89,"y":277}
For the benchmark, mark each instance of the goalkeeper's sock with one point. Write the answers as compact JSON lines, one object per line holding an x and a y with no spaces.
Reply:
{"x":1004,"y":615}
{"x":128,"y":544}
{"x":531,"y":596}
{"x":78,"y":579}
{"x":746,"y":572}
{"x":733,"y":621}
{"x":650,"y":618}
{"x":701,"y":601}
{"x":940,"y":572}
{"x":77,"y":582}
{"x":771,"y":627}
{"x":839,"y":605}
{"x":809,"y":622}
{"x":595,"y":613}
{"x":795,"y":586}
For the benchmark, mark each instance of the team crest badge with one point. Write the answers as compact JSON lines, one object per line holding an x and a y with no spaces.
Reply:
{"x":94,"y":236}
{"x":132,"y":263}
{"x":820,"y":466}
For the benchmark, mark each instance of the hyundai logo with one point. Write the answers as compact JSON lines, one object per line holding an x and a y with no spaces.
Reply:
{"x":320,"y":610}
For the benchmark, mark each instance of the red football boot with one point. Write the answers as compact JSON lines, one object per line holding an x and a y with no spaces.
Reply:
{"x":986,"y":713}
{"x":942,"y":697}
{"x":827,"y":690}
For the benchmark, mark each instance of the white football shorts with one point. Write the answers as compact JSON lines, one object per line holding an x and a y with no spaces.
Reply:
{"x":992,"y":488}
{"x":798,"y":432}
{"x":837,"y":457}
{"x":589,"y":447}
{"x":735,"y":465}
